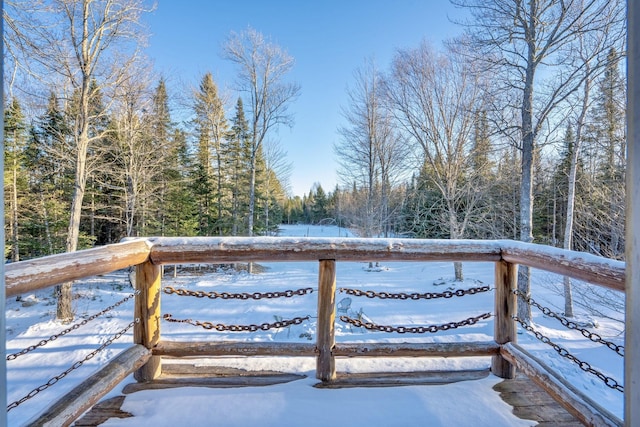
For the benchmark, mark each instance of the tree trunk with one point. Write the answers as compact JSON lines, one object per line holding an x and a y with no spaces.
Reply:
{"x":252,"y":202}
{"x":457,"y":268}
{"x":64,"y":310}
{"x":15,"y":246}
{"x":47,"y":229}
{"x":252,"y":194}
{"x":526,"y":187}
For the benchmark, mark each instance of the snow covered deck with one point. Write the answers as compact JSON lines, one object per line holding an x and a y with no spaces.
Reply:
{"x":145,"y":358}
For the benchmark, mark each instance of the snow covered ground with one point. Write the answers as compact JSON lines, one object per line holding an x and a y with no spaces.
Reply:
{"x":31,"y":319}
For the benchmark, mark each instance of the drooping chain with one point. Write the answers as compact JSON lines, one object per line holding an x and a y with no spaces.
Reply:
{"x":415,"y":329}
{"x":585,"y":366}
{"x":238,"y":328}
{"x":228,"y":295}
{"x":76,"y":365}
{"x":70,"y":328}
{"x":569,"y":324}
{"x":415,"y":295}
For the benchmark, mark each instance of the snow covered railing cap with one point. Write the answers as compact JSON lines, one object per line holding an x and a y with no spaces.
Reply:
{"x":40,"y":273}
{"x":177,"y":250}
{"x":579,"y":265}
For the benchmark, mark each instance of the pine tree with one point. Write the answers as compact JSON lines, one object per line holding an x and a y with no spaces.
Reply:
{"x":162,"y":140}
{"x":238,"y":164}
{"x":180,"y":209}
{"x":15,"y":179}
{"x":51,"y":179}
{"x":319,"y":210}
{"x":211,"y":128}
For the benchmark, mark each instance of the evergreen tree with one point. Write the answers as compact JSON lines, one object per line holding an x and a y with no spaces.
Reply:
{"x":15,"y":179}
{"x":164,"y":143}
{"x":319,"y":209}
{"x":238,"y":164}
{"x":180,"y":211}
{"x":51,"y":179}
{"x":211,"y":128}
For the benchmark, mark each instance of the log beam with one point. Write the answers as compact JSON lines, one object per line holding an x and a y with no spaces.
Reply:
{"x":147,"y":310}
{"x":326,"y":363}
{"x":90,"y":391}
{"x":40,"y":273}
{"x":506,"y":276}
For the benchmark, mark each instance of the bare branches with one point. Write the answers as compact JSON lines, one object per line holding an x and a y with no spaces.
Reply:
{"x":262,"y":68}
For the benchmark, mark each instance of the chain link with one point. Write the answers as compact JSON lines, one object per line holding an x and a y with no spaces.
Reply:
{"x":585,"y":366}
{"x":415,"y":329}
{"x":238,"y":328}
{"x":244,"y":295}
{"x":415,"y":295}
{"x":569,"y":324}
{"x":73,"y":367}
{"x":69,"y":329}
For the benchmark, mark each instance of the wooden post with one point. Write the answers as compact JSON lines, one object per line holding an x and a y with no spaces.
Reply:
{"x":147,"y":331}
{"x":632,"y":315}
{"x":506,"y":275}
{"x":326,"y":363}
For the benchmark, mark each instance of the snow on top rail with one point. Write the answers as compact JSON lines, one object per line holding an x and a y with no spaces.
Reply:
{"x":172,"y":250}
{"x":26,"y":276}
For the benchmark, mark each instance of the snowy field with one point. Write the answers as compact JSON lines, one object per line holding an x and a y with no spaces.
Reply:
{"x":31,"y":320}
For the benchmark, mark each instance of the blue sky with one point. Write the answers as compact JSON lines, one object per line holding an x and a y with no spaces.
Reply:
{"x":329,"y":39}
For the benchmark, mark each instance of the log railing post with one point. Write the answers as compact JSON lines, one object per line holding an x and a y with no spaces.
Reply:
{"x":326,"y":364}
{"x":506,"y":275}
{"x":147,"y":310}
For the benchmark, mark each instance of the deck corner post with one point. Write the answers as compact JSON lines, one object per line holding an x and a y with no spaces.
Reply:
{"x":632,"y":246}
{"x":147,"y":312}
{"x":325,"y":362}
{"x":506,"y":275}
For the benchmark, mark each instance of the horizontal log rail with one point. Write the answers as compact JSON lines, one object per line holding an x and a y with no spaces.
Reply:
{"x":76,"y":402}
{"x":28,"y":276}
{"x":176,"y":250}
{"x":234,"y":348}
{"x":148,"y":255}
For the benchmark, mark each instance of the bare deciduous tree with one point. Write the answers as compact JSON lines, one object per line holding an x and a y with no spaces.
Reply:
{"x":435,"y":99}
{"x":371,"y":153}
{"x":262,"y":68}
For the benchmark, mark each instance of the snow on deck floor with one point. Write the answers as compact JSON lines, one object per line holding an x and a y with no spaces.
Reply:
{"x":298,"y":403}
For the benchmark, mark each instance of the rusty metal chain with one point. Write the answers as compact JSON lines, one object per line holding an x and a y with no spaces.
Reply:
{"x":415,"y":295}
{"x":244,"y":295}
{"x":569,"y":324}
{"x":69,"y":329}
{"x":585,"y":366}
{"x":73,"y":367}
{"x":238,"y":328}
{"x":415,"y":329}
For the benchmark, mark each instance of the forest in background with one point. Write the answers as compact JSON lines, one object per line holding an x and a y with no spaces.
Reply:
{"x":516,"y":129}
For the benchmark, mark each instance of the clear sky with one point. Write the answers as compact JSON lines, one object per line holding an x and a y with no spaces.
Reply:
{"x":328,"y":39}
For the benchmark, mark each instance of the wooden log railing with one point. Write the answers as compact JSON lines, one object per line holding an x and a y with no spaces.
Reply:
{"x":148,"y":255}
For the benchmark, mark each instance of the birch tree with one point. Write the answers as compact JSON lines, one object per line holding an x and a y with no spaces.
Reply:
{"x":91,"y":41}
{"x":262,"y":69}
